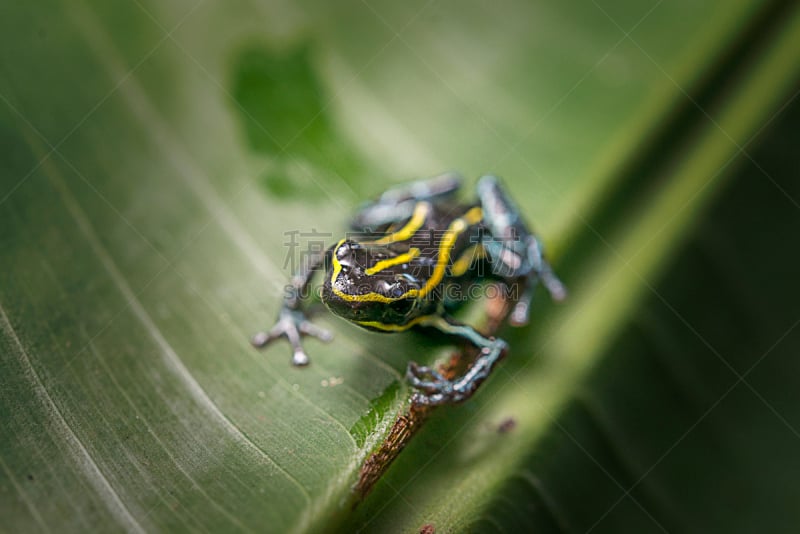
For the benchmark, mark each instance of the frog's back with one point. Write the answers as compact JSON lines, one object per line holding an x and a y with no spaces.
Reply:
{"x":447,"y":232}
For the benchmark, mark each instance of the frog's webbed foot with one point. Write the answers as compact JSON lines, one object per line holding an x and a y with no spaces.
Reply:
{"x":436,"y":389}
{"x":293,"y":325}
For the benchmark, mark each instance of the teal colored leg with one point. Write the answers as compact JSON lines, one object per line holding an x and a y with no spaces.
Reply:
{"x":434,"y":388}
{"x":516,"y":252}
{"x":430,"y":189}
{"x":398,"y":203}
{"x":432,"y":384}
{"x":540,"y":272}
{"x":293,"y":323}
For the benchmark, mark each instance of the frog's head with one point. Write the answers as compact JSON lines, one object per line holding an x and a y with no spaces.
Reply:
{"x":372,"y":285}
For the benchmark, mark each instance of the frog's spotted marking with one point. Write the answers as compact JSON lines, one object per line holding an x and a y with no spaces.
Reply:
{"x":456,"y":228}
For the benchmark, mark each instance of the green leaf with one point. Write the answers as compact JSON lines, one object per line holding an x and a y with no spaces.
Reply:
{"x":663,"y":399}
{"x":157,"y":157}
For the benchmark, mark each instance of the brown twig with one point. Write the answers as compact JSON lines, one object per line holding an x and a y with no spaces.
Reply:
{"x":410,"y":421}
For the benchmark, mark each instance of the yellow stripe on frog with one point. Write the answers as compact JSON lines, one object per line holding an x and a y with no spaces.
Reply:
{"x":446,"y":245}
{"x":456,"y":228}
{"x":421,"y":211}
{"x":391,"y":262}
{"x":463,"y":263}
{"x":388,"y":327}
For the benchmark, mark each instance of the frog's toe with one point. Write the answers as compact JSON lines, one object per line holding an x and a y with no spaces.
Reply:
{"x":437,"y":398}
{"x":300,"y":358}
{"x":428,"y":386}
{"x":262,"y":339}
{"x":520,"y":314}
{"x":427,"y":379}
{"x":310,"y":329}
{"x":417,"y":371}
{"x":259,"y":340}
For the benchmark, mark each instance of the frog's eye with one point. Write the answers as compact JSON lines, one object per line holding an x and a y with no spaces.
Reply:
{"x":397,"y":290}
{"x":344,"y":250}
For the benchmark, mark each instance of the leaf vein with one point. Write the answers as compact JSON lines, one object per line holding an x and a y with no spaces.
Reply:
{"x":81,"y":454}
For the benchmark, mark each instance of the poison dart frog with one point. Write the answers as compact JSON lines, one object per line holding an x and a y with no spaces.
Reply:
{"x":412,"y":256}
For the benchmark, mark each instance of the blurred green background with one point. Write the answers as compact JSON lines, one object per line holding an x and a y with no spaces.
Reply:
{"x":155,"y":155}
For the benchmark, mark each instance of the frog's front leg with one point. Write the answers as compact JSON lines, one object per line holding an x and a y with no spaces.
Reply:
{"x":436,"y":389}
{"x":293,"y":323}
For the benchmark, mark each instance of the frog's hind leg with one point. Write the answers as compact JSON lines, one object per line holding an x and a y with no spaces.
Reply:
{"x":434,"y":388}
{"x":398,"y":203}
{"x":541,"y":272}
{"x":515,"y":252}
